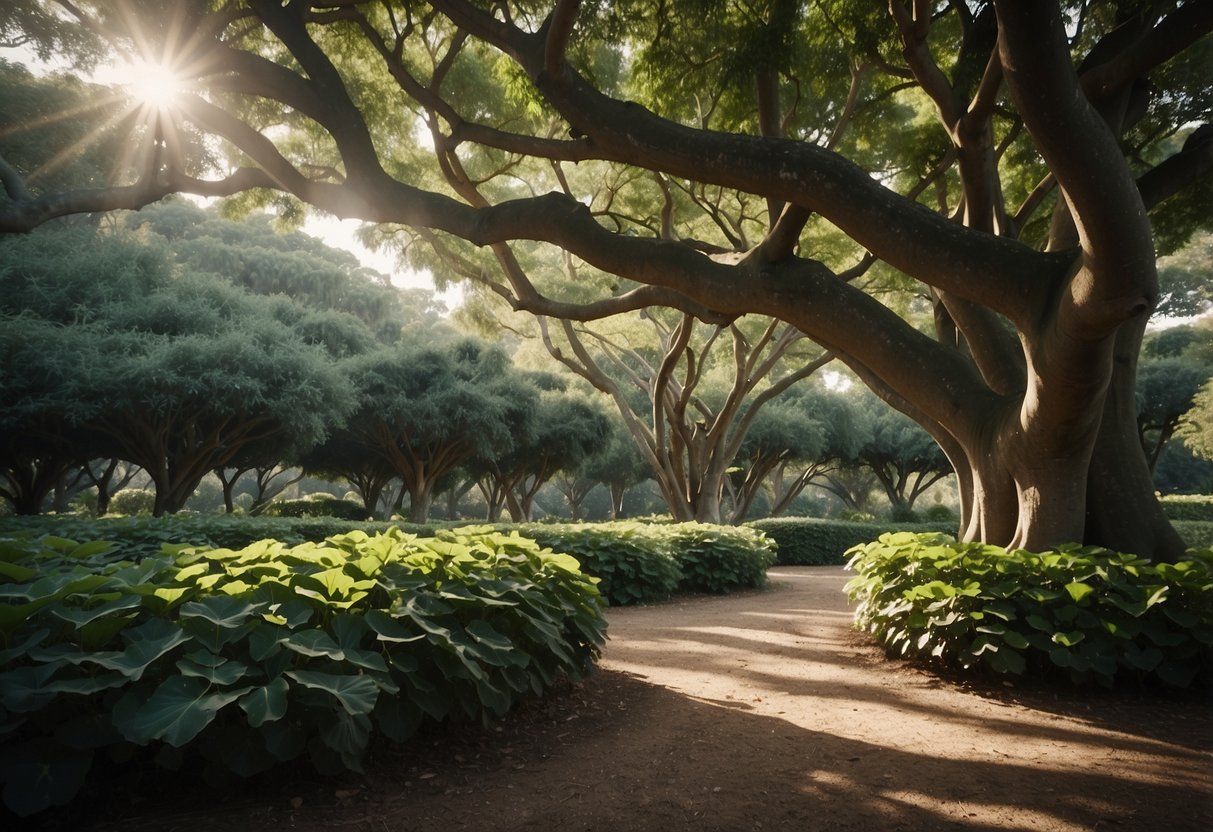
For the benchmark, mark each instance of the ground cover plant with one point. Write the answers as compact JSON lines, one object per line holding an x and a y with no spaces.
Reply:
{"x":267,"y":653}
{"x":1082,"y":612}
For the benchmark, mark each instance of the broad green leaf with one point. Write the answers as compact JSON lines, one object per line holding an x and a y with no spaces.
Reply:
{"x":226,"y":672}
{"x":81,"y":616}
{"x":314,"y":643}
{"x":146,"y":643}
{"x":26,"y":689}
{"x":31,"y":640}
{"x":221,"y":610}
{"x":266,"y":703}
{"x":176,"y":712}
{"x":1079,"y":590}
{"x":1069,"y":639}
{"x":87,"y":685}
{"x":357,"y":694}
{"x":17,"y":572}
{"x":388,"y":628}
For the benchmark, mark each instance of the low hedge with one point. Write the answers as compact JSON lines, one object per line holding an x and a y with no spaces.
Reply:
{"x":1088,"y":613}
{"x":263,"y":654}
{"x":1188,"y":506}
{"x":644,"y":562}
{"x":1198,"y":534}
{"x":317,"y":505}
{"x":811,"y":541}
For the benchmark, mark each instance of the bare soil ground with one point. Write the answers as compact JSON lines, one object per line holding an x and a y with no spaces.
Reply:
{"x":757,"y":711}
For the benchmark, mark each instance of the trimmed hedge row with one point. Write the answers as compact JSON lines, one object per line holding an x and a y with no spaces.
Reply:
{"x":643,"y":562}
{"x":267,"y":653}
{"x":1198,"y":534}
{"x":810,"y":541}
{"x":1095,"y":615}
{"x":638,"y":562}
{"x":1188,"y":506}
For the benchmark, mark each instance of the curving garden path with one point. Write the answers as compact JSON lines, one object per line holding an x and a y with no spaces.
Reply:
{"x":766,"y":711}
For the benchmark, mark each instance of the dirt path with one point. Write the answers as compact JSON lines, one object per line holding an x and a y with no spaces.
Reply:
{"x":765,"y":711}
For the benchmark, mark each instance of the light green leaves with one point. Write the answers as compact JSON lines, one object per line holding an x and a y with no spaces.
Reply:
{"x":1093,"y":614}
{"x":158,"y":649}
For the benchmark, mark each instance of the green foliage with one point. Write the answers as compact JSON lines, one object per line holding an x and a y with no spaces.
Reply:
{"x":1088,"y":613}
{"x":317,"y":506}
{"x":641,"y":562}
{"x":629,"y":558}
{"x":259,"y":655}
{"x":1198,"y":534}
{"x":719,"y":559}
{"x":809,"y":541}
{"x":132,"y":501}
{"x":1188,"y":506}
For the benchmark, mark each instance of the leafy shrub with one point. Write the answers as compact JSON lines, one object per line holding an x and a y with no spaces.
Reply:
{"x":133,"y":501}
{"x":940,"y":514}
{"x":902,"y":513}
{"x":637,"y":562}
{"x":317,"y":506}
{"x":1198,"y":534}
{"x":1188,"y":506}
{"x":1094,"y":614}
{"x":719,"y":559}
{"x":263,"y":654}
{"x":641,"y":562}
{"x":632,"y":562}
{"x":810,"y":541}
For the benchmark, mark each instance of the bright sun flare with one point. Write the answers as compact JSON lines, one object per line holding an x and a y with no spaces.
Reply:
{"x":152,"y":84}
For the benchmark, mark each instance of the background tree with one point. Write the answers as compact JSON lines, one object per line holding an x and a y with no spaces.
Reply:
{"x":1064,"y":140}
{"x":567,"y":430}
{"x":688,"y":398}
{"x":175,"y":373}
{"x":798,"y":439}
{"x":427,"y":410}
{"x":904,"y":458}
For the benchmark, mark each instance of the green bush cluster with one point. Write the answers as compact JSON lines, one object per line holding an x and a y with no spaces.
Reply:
{"x":1188,"y":506}
{"x":642,"y":562}
{"x":810,"y":541}
{"x":271,"y":652}
{"x":1086,"y":612}
{"x":1198,"y":534}
{"x":317,"y":506}
{"x":132,"y":501}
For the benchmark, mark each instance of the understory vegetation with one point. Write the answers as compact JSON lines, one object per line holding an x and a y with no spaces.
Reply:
{"x":1082,"y":613}
{"x":263,"y":654}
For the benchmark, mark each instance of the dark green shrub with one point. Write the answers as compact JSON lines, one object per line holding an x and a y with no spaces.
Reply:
{"x":1188,"y":506}
{"x":641,"y":562}
{"x":719,"y":559}
{"x":317,"y":506}
{"x":810,"y":541}
{"x":1086,"y":612}
{"x":1198,"y":534}
{"x":133,"y":501}
{"x":940,"y":514}
{"x":259,"y":655}
{"x":632,"y":561}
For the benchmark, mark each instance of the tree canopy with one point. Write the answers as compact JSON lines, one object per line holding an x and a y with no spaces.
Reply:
{"x":1019,"y":164}
{"x":109,"y":352}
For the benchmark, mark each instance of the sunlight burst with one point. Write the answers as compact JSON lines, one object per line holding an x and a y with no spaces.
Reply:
{"x":152,"y":84}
